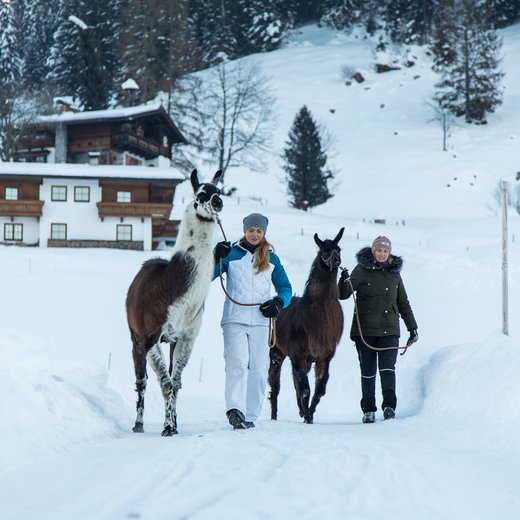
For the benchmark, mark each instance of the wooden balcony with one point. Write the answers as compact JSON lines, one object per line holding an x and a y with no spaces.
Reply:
{"x":140,"y":145}
{"x":134,"y":209}
{"x":21,"y":208}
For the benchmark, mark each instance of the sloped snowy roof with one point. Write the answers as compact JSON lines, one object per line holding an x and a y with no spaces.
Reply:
{"x":88,"y":171}
{"x":115,"y":113}
{"x":122,"y":113}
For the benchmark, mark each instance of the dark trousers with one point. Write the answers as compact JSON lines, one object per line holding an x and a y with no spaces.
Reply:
{"x":369,"y":360}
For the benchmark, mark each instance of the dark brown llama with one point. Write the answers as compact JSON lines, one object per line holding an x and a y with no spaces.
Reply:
{"x":166,"y":299}
{"x":308,"y":331}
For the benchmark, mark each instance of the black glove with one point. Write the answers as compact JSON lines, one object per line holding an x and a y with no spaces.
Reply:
{"x":221,"y":250}
{"x":271,"y":308}
{"x":345,"y":275}
{"x":414,"y":336}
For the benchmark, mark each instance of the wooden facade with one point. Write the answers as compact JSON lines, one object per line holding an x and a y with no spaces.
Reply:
{"x":27,"y":202}
{"x":106,"y":137}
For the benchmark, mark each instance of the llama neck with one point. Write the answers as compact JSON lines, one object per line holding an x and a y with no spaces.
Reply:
{"x":321,"y":282}
{"x":194,"y":234}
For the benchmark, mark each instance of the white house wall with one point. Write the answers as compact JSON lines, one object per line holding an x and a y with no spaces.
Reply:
{"x":31,"y":228}
{"x":82,"y":218}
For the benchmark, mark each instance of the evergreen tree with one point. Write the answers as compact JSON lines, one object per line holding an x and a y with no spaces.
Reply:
{"x":504,"y":12}
{"x":470,"y":84}
{"x":409,"y":21}
{"x":10,"y":62}
{"x":13,"y":114}
{"x":64,"y":62}
{"x":37,"y":25}
{"x":156,"y":45}
{"x":92,"y":81}
{"x":305,"y":163}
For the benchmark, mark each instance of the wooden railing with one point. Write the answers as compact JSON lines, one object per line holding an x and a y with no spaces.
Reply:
{"x":21,"y":208}
{"x":141,"y":144}
{"x":134,"y":209}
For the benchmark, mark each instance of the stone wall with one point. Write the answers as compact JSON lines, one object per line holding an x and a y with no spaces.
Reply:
{"x":110,"y":244}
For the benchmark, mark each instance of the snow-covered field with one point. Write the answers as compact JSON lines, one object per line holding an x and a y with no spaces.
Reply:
{"x":66,"y":377}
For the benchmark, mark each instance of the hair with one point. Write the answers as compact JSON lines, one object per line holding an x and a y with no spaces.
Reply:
{"x":262,"y":255}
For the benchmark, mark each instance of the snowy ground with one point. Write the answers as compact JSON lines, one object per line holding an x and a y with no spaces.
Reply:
{"x":66,"y":381}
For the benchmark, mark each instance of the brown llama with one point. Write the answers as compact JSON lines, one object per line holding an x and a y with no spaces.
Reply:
{"x":166,"y":299}
{"x":308,"y":331}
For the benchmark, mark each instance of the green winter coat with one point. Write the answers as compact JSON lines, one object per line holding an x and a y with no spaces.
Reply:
{"x":380,"y":295}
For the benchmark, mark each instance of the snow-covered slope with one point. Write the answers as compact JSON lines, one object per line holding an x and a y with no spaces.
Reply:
{"x":66,"y":378}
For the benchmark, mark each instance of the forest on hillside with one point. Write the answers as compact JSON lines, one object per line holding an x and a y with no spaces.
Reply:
{"x":109,"y":53}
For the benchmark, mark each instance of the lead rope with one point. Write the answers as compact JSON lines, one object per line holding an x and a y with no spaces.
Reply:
{"x":379,"y":349}
{"x":271,"y":340}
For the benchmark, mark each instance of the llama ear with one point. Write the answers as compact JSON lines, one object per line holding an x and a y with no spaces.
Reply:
{"x":317,"y":240}
{"x":339,"y":235}
{"x":194,"y":181}
{"x":216,"y":177}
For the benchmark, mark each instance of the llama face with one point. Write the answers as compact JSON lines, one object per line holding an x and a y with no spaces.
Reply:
{"x":207,"y":195}
{"x":207,"y":200}
{"x":330,"y":252}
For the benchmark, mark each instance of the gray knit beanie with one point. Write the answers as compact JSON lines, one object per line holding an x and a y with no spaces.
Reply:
{"x":255,"y":220}
{"x":383,"y":243}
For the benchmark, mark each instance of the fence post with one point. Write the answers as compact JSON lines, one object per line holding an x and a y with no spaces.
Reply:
{"x":505,"y":310}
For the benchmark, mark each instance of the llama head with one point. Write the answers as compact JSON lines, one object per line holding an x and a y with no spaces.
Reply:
{"x":207,"y":201}
{"x":330,"y":252}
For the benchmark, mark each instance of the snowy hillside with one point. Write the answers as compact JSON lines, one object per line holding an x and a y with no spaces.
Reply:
{"x":67,"y":383}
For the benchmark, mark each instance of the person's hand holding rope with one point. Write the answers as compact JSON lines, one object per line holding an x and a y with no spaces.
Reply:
{"x":221,"y":250}
{"x":271,"y":308}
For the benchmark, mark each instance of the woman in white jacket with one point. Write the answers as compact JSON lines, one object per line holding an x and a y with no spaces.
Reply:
{"x":252,"y":268}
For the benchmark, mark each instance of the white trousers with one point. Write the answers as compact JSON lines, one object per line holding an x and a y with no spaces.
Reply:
{"x":246,"y":356}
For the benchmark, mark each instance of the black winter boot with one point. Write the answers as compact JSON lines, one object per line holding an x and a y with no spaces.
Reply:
{"x":388,"y":413}
{"x":237,"y":420}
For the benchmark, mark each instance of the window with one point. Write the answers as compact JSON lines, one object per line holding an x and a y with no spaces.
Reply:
{"x":81,"y":194}
{"x":59,"y":193}
{"x":11,"y":194}
{"x":124,"y":232}
{"x":13,"y":231}
{"x":58,"y":231}
{"x":124,"y":196}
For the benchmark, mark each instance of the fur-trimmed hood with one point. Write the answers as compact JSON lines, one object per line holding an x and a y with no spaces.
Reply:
{"x":365,"y":259}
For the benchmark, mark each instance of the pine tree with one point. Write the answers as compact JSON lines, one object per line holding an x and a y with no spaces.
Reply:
{"x":156,"y":45}
{"x":35,"y":24}
{"x":10,"y":62}
{"x":305,"y":163}
{"x":504,"y":12}
{"x":469,"y":64}
{"x":64,"y":56}
{"x":13,"y":115}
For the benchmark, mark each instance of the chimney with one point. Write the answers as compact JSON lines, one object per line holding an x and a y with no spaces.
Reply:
{"x":61,"y":143}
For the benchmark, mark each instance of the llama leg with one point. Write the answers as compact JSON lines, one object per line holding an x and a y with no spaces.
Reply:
{"x":180,"y":358}
{"x":321,"y":371}
{"x":275,"y":368}
{"x":156,"y":359}
{"x":303,"y":391}
{"x":139,"y":357}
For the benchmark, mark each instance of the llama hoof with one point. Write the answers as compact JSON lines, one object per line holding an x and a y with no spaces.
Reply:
{"x":138,"y":428}
{"x":168,"y":431}
{"x":308,"y":420}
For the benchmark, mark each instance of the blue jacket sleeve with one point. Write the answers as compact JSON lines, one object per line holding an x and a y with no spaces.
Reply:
{"x":216,"y":268}
{"x":281,"y":281}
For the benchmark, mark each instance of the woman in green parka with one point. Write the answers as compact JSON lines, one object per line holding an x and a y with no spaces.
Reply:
{"x":381,"y":300}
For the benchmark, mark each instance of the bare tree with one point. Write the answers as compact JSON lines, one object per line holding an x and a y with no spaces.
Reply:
{"x":15,"y":115}
{"x":446,"y":120}
{"x":240,"y":110}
